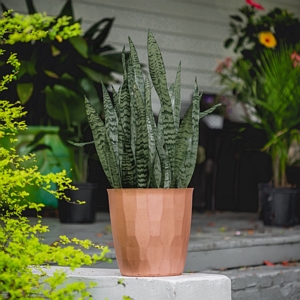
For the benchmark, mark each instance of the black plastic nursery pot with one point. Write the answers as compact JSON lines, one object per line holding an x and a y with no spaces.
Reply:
{"x":280,"y":206}
{"x":72,"y":212}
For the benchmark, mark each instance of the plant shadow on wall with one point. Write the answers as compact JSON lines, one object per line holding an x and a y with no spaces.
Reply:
{"x":25,"y":257}
{"x":265,"y":76}
{"x":57,"y":73}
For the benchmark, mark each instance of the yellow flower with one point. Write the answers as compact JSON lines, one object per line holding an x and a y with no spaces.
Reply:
{"x":267,"y":39}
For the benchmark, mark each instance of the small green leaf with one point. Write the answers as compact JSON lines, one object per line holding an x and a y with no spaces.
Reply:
{"x":236,"y":18}
{"x":24,"y":91}
{"x":80,"y":45}
{"x":228,"y":42}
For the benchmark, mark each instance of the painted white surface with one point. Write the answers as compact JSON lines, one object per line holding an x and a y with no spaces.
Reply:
{"x":187,"y":286}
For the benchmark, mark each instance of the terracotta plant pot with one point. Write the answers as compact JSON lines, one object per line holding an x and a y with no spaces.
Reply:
{"x":151,"y":230}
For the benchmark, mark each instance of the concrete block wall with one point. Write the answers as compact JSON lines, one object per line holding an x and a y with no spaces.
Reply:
{"x":264,"y":283}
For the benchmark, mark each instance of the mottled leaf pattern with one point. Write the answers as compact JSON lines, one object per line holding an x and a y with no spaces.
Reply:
{"x":177,"y":95}
{"x":106,"y":156}
{"x":142,"y":150}
{"x":137,"y":70}
{"x":135,"y":151}
{"x":111,"y":123}
{"x":187,"y":143}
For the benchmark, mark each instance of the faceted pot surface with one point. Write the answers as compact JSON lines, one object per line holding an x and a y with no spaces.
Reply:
{"x":151,"y":230}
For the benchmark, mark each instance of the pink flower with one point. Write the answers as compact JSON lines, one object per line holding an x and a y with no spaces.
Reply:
{"x":296,"y":59}
{"x":255,"y":4}
{"x":226,"y":63}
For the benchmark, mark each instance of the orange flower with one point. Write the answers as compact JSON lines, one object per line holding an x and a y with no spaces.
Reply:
{"x":267,"y":39}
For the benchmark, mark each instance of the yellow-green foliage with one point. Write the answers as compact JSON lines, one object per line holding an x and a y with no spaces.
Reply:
{"x":23,"y":254}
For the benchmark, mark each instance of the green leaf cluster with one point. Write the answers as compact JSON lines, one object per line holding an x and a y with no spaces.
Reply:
{"x":133,"y":149}
{"x":275,"y":93}
{"x":61,"y":66}
{"x":246,"y":26}
{"x":24,"y":256}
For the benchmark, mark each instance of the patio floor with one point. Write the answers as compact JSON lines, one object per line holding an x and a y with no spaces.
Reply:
{"x":218,"y":241}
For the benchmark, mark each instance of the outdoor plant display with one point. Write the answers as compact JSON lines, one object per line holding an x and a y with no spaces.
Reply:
{"x":24,"y":256}
{"x":148,"y":165}
{"x":251,"y":32}
{"x":265,"y":76}
{"x":55,"y":74}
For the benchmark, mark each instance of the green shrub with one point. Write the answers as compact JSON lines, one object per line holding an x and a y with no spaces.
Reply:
{"x":24,"y":256}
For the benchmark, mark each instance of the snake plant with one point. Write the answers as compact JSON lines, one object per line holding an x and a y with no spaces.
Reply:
{"x":134,"y":150}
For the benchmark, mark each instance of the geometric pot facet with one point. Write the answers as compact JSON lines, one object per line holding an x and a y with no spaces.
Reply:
{"x":280,"y":206}
{"x":151,"y":229}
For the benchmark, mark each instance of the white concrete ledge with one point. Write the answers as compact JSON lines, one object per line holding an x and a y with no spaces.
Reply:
{"x":187,"y":286}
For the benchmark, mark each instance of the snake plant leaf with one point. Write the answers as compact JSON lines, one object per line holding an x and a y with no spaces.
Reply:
{"x":208,"y":111}
{"x":169,"y":131}
{"x":177,"y":94}
{"x":125,"y":77}
{"x":111,"y":123}
{"x":187,"y":143}
{"x":103,"y":147}
{"x":156,"y":64}
{"x":133,"y":105}
{"x":142,"y":148}
{"x":116,"y":102}
{"x":154,"y":177}
{"x":158,"y":76}
{"x":162,"y":152}
{"x":128,"y":167}
{"x":136,"y":65}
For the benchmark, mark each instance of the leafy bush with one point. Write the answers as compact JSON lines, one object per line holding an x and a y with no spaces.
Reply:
{"x":23,"y":254}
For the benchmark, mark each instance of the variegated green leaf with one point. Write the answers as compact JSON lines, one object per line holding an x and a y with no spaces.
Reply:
{"x":177,"y":101}
{"x":138,"y":75}
{"x":111,"y":123}
{"x":104,"y":151}
{"x":142,"y":148}
{"x":116,"y":102}
{"x":166,"y":173}
{"x":169,"y":131}
{"x":152,"y":135}
{"x":128,"y":166}
{"x":187,"y":143}
{"x":156,"y":64}
{"x":208,"y":111}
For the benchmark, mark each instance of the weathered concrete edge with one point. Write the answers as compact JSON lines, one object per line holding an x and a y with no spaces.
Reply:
{"x":186,"y":286}
{"x":242,"y":243}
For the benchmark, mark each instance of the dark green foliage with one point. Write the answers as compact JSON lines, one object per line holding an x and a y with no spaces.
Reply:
{"x":133,"y":149}
{"x":56,"y":73}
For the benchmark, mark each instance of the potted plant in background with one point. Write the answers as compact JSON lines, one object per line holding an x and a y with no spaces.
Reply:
{"x":252,"y":31}
{"x":149,"y":166}
{"x":265,"y":76}
{"x":55,"y":75}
